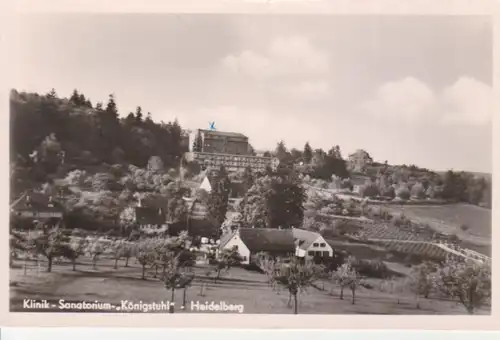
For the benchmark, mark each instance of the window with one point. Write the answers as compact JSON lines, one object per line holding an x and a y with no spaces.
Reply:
{"x":322,"y":245}
{"x":244,"y":258}
{"x":315,"y":244}
{"x":310,"y":253}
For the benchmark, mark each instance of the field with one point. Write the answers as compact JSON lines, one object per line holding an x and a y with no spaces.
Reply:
{"x":387,"y":231}
{"x":449,"y":219}
{"x":238,"y":286}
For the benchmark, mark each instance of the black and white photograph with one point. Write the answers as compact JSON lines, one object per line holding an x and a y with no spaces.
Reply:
{"x":231,"y":163}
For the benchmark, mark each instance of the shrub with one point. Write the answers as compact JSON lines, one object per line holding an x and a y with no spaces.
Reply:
{"x":388,"y":192}
{"x":400,"y":220}
{"x":369,"y":190}
{"x":371,"y":268}
{"x":418,"y":191}
{"x":403,"y":192}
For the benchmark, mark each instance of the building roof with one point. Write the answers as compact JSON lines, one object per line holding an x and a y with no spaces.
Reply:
{"x":304,"y":238}
{"x":34,"y":201}
{"x":225,"y":134}
{"x":198,"y":227}
{"x":149,"y":215}
{"x":265,"y":239}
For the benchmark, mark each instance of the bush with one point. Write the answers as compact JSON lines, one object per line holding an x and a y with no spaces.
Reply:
{"x":403,"y":192}
{"x":369,"y":190}
{"x":388,"y":192}
{"x":371,"y":268}
{"x":400,"y":220}
{"x":418,"y":191}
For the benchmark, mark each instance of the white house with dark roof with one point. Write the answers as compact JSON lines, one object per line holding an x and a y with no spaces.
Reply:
{"x":310,"y":245}
{"x":251,"y":241}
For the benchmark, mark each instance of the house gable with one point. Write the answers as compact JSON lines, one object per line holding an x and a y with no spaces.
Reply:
{"x":205,"y":185}
{"x":316,"y":246}
{"x":243,"y":250}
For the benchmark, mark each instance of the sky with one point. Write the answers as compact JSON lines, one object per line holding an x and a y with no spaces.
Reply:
{"x":407,"y":89}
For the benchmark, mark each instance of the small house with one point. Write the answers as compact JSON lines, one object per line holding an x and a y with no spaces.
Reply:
{"x":36,"y":206}
{"x":251,"y":241}
{"x":310,"y":245}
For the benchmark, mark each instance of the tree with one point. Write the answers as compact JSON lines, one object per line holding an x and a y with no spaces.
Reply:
{"x":469,"y":282}
{"x":49,"y":153}
{"x":198,"y":142}
{"x":145,"y":254}
{"x":327,"y":165}
{"x":369,"y":189}
{"x":75,"y":249}
{"x":418,"y":190}
{"x":155,"y":164}
{"x":346,"y":276}
{"x":52,"y":94}
{"x":138,"y":115}
{"x":97,"y":132}
{"x":127,"y":252}
{"x":295,"y":277}
{"x":17,"y":243}
{"x":111,"y":108}
{"x":75,"y":98}
{"x":95,"y":247}
{"x":421,"y":280}
{"x":338,"y":153}
{"x":248,"y":178}
{"x":454,"y":186}
{"x":219,"y":197}
{"x":174,"y":279}
{"x":359,"y":160}
{"x":224,"y":260}
{"x":403,"y":192}
{"x":275,"y":201}
{"x":430,"y":192}
{"x":281,"y":152}
{"x":307,"y":155}
{"x":49,"y":243}
{"x":117,"y":248}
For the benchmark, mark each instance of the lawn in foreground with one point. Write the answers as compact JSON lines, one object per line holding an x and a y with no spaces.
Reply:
{"x":238,"y":286}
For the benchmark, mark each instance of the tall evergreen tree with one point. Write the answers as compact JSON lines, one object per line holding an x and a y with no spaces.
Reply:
{"x":281,"y":151}
{"x":248,"y":178}
{"x":307,"y":155}
{"x":338,"y":154}
{"x":75,"y":98}
{"x":111,"y":108}
{"x":219,"y":197}
{"x":52,"y":94}
{"x":198,"y":142}
{"x":138,"y":115}
{"x":82,"y":100}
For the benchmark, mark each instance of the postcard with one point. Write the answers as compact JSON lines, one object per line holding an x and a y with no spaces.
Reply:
{"x":316,"y":163}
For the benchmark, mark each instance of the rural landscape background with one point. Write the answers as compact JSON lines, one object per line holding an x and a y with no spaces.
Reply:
{"x":108,"y":203}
